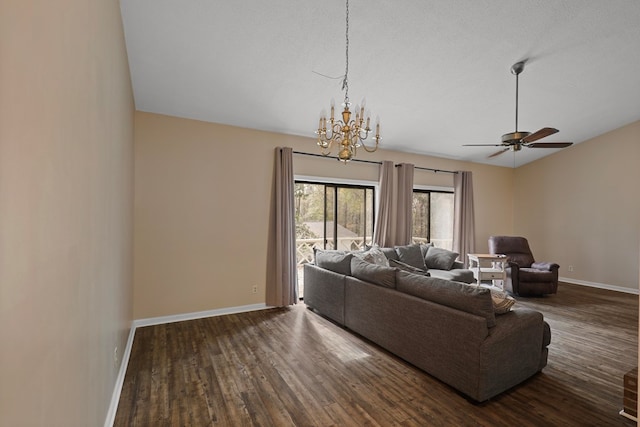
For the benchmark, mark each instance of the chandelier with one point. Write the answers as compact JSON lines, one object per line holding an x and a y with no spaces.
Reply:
{"x":347,"y":133}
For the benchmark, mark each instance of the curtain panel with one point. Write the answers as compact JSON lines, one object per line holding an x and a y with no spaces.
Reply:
{"x":382,"y":229}
{"x":283,"y":290}
{"x":404,"y":206}
{"x":464,"y":230}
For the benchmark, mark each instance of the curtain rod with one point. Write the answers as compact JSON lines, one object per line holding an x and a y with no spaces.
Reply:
{"x":432,"y":170}
{"x":370,"y":161}
{"x":334,"y":157}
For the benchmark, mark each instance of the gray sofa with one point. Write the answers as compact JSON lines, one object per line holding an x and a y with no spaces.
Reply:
{"x":448,"y":329}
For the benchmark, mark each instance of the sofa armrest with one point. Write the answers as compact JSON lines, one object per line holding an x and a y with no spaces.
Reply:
{"x":514,"y":350}
{"x":514,"y":323}
{"x":546,"y":266}
{"x":324,"y":292}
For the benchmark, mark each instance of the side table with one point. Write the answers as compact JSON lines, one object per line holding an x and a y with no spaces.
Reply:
{"x":488,"y":267}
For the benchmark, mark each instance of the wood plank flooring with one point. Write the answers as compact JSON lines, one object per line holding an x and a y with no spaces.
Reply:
{"x":291,"y":367}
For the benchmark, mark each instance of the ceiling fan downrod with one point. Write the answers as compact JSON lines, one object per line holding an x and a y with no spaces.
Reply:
{"x":516,"y":69}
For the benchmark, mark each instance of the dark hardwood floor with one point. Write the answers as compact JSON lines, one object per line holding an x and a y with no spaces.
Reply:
{"x":291,"y":367}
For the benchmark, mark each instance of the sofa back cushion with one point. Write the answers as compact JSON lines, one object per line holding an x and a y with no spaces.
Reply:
{"x":336,"y":261}
{"x":374,"y":273}
{"x":468,"y":298}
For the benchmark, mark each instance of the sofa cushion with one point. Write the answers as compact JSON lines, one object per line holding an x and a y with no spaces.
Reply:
{"x":408,"y":268}
{"x":468,"y":298}
{"x":378,"y":274}
{"x":455,"y":274}
{"x":412,"y":255}
{"x":441,"y":259}
{"x":336,"y":261}
{"x":374,"y":256}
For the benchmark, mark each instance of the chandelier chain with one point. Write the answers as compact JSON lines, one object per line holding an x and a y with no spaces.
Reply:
{"x":345,"y":82}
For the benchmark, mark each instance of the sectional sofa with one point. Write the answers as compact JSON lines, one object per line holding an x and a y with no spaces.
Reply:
{"x":449,"y":329}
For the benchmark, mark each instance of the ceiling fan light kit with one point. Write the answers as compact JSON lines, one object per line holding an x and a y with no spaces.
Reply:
{"x":516,"y":140}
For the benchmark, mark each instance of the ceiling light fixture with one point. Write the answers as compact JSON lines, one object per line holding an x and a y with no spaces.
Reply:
{"x":350,"y":134}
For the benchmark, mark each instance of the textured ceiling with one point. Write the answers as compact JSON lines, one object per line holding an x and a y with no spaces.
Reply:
{"x":436,"y":73}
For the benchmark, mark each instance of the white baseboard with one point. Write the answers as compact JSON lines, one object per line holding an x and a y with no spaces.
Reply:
{"x":197,"y":315}
{"x":631,"y":417}
{"x":599,"y":285}
{"x":115,"y":398}
{"x":117,"y":389}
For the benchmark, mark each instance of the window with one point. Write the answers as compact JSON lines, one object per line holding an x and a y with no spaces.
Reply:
{"x":433,"y":217}
{"x":334,"y":216}
{"x":331,"y":216}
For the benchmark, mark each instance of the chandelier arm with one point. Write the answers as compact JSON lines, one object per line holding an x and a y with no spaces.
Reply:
{"x":327,"y":137}
{"x":370,"y":150}
{"x":359,"y":133}
{"x":334,"y":129}
{"x":325,"y":147}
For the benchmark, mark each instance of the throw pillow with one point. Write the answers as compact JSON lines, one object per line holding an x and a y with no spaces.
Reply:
{"x":502,"y":302}
{"x":440,"y":259}
{"x":336,"y":261}
{"x":424,"y":247}
{"x":374,"y":256}
{"x":408,"y":268}
{"x":378,"y":274}
{"x":412,"y":255}
{"x":390,"y":253}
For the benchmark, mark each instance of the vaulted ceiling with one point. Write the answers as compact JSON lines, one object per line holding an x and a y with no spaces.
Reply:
{"x":436,"y":73}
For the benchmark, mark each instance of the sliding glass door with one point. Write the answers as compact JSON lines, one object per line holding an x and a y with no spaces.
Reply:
{"x":332,"y":216}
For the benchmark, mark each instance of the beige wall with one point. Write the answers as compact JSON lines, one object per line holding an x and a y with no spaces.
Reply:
{"x":203,"y":194}
{"x":66,"y":181}
{"x":581,"y":207}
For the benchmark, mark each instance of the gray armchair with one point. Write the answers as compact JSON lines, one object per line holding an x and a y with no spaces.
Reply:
{"x":525,"y":277}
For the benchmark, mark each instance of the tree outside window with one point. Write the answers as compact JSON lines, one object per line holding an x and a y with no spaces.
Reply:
{"x":433,"y":218}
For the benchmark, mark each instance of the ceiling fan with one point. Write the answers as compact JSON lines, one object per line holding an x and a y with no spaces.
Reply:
{"x":518,"y":139}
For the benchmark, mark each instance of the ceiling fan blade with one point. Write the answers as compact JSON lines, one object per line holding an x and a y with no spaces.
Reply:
{"x":549,"y":144}
{"x":539,"y":134}
{"x":483,"y":145}
{"x":497,"y":153}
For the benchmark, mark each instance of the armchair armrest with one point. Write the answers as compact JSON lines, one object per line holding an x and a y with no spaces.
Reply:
{"x":547,"y":266}
{"x":513,"y":265}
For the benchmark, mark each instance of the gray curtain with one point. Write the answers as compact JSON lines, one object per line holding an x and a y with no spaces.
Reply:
{"x":382,"y":229}
{"x":283,"y":290}
{"x":464,"y":229}
{"x":404,"y":215}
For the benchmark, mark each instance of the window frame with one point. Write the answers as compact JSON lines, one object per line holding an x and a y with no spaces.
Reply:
{"x":337,"y":184}
{"x":424,"y":189}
